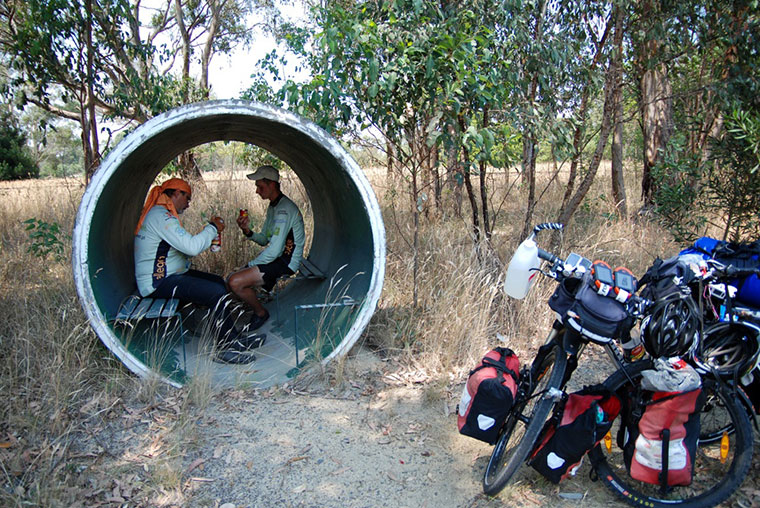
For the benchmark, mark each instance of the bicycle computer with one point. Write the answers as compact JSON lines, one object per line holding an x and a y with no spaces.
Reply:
{"x":603,"y":278}
{"x":573,"y":259}
{"x":624,"y":280}
{"x":576,"y":263}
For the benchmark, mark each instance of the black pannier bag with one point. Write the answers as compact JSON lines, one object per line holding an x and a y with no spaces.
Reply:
{"x":576,"y":426}
{"x":488,"y":395}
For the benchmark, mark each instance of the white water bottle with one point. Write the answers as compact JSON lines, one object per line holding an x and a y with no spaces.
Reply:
{"x":522,"y":269}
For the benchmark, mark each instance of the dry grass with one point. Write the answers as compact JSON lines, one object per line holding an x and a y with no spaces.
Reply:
{"x":61,"y":385}
{"x":462,"y":307}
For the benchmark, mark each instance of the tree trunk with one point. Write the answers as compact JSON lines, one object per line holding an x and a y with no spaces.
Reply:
{"x":610,"y":85}
{"x":452,"y":170}
{"x":618,"y":181}
{"x":468,"y":186}
{"x":89,"y":120}
{"x":483,"y":193}
{"x":435,"y":170}
{"x":484,"y":201}
{"x":656,"y":122}
{"x":655,"y":95}
{"x":215,"y":9}
{"x":530,"y":150}
{"x":389,"y":154}
{"x":188,"y":169}
{"x":186,"y":48}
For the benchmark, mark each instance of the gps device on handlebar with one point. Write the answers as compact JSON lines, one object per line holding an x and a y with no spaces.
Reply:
{"x":625,"y":283}
{"x":603,"y":277}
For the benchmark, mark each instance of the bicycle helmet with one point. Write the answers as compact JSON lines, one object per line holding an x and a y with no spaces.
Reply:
{"x":671,"y":327}
{"x":730,"y":348}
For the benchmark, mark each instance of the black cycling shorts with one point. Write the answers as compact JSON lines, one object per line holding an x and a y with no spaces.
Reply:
{"x":273,"y":271}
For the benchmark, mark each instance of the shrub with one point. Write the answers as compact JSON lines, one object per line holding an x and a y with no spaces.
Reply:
{"x":15,"y":161}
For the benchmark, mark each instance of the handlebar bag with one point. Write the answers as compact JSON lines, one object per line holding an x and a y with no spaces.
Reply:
{"x":596,"y":317}
{"x":657,"y":425}
{"x":564,"y":296}
{"x":575,"y":428}
{"x":488,"y":395}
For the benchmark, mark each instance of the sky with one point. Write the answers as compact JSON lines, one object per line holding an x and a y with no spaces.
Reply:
{"x":230,"y":75}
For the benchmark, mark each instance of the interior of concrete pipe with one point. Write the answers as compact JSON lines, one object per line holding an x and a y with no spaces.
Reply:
{"x":312,"y":320}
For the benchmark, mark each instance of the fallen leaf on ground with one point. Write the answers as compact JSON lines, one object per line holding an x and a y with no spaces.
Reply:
{"x":295,"y":459}
{"x":197,"y":462}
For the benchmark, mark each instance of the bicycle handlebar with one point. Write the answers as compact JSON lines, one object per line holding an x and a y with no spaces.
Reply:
{"x":730,"y":272}
{"x":547,"y":256}
{"x":636,"y":305}
{"x":556,"y":226}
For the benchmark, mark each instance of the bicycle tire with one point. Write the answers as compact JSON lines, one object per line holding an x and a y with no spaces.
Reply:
{"x":712,"y":482}
{"x":520,"y":432}
{"x":717,"y":423}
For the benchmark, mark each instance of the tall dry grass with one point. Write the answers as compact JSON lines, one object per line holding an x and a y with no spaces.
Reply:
{"x":62,"y":387}
{"x":462,"y":307}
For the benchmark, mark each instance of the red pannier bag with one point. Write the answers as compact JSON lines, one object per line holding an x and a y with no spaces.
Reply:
{"x":577,"y":425}
{"x":668,"y":427}
{"x":488,"y":395}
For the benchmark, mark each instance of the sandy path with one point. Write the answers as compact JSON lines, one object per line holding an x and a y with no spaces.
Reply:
{"x":382,"y":441}
{"x":386,"y":437}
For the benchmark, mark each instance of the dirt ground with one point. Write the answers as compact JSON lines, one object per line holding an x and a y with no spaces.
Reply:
{"x":388,"y":438}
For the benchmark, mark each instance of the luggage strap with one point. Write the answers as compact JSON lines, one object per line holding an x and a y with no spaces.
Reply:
{"x":500,"y":364}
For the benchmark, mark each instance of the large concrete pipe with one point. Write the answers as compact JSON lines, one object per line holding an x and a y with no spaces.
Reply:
{"x":319,"y":320}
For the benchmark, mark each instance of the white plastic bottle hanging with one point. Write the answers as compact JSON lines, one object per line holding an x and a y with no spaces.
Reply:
{"x":522,"y":269}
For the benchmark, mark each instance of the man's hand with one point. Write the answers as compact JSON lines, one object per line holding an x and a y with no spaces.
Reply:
{"x":242,"y":222}
{"x":218,"y":222}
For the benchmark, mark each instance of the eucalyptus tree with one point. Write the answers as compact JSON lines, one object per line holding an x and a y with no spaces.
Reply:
{"x":597,"y":77}
{"x":83,"y":60}
{"x":556,"y":77}
{"x":423,"y":74}
{"x":696,"y":65}
{"x":205,"y":28}
{"x":78,"y":59}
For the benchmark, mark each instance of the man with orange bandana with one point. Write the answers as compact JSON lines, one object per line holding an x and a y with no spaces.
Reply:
{"x":163,"y":249}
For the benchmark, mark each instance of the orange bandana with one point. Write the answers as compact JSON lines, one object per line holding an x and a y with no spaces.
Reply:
{"x":156,"y":196}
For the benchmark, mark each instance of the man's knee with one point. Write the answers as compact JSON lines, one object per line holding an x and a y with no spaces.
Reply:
{"x":240,"y":281}
{"x":234,"y":282}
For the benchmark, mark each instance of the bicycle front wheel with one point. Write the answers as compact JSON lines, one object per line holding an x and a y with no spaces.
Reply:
{"x":717,"y":473}
{"x":526,"y":419}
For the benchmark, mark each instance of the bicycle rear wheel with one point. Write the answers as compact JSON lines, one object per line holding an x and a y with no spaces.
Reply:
{"x":526,"y":419}
{"x":714,"y":478}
